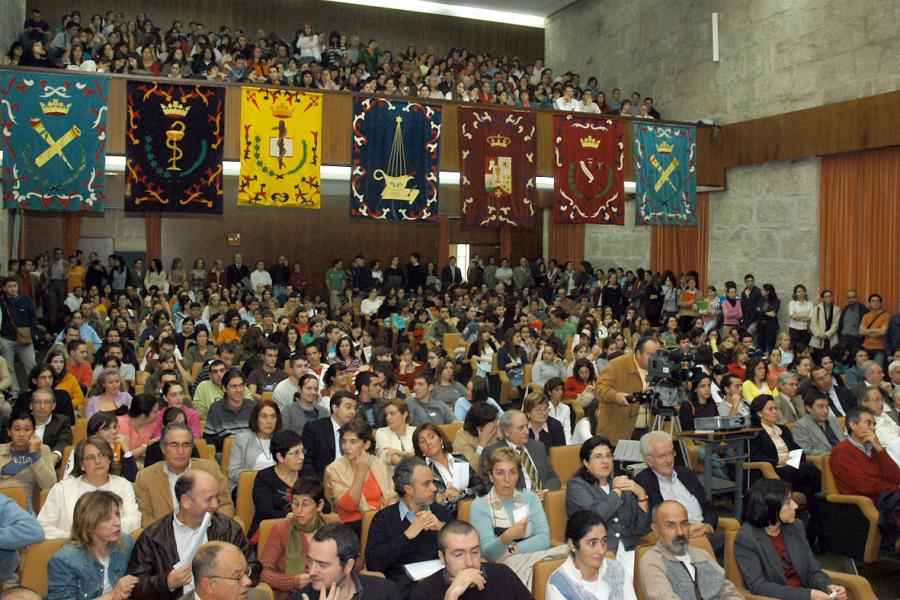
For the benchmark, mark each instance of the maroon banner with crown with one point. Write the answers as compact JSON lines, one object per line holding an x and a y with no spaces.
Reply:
{"x":498,"y":166}
{"x":589,"y":180}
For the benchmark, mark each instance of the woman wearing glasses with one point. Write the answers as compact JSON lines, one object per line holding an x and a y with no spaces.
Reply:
{"x":93,"y":457}
{"x":93,"y":563}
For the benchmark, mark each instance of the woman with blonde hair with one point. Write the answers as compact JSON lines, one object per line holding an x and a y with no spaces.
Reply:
{"x":93,"y":563}
{"x":395,"y":442}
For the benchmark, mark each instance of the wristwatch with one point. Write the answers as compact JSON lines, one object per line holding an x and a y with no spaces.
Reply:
{"x":512,"y":548}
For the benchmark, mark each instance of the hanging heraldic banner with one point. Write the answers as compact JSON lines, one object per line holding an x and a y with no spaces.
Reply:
{"x":498,"y":167}
{"x":589,"y":181}
{"x":173,"y":148}
{"x":396,"y":159}
{"x":281,"y":137}
{"x":665,"y":172}
{"x":54,"y":141}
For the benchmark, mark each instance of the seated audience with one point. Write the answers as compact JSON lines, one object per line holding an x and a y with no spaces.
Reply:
{"x":92,"y":564}
{"x":840,"y":399}
{"x":268,"y":375}
{"x":24,"y":461}
{"x":663,"y":480}
{"x":547,"y":365}
{"x":480,"y":429}
{"x":55,"y":430}
{"x":675,"y":569}
{"x":283,"y":558}
{"x":818,"y":432}
{"x":333,"y":554}
{"x":580,"y":386}
{"x":588,"y":574}
{"x":321,"y":438}
{"x":230,"y":415}
{"x":463,"y":574}
{"x":108,"y":394}
{"x":211,"y":560}
{"x":304,"y":406}
{"x":886,"y":429}
{"x":93,"y":458}
{"x":154,"y":450}
{"x":139,"y":424}
{"x":358,"y":481}
{"x":476,"y":391}
{"x":541,"y":426}
{"x":18,"y":530}
{"x":394,"y":442}
{"x":406,"y":532}
{"x":454,"y":477}
{"x":285,"y":392}
{"x":446,"y":388}
{"x":554,"y":390}
{"x":424,"y":408}
{"x":510,"y":521}
{"x":536,"y":473}
{"x":43,"y":376}
{"x":63,"y":380}
{"x":370,"y":398}
{"x":788,"y":403}
{"x":771,"y":550}
{"x":251,"y":450}
{"x":159,"y":560}
{"x":623,"y":504}
{"x":154,"y":487}
{"x":863,"y":467}
{"x":173,"y":397}
{"x":211,"y":389}
{"x":272,"y":485}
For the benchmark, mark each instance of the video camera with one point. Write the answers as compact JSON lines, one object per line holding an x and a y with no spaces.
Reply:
{"x":666,"y":372}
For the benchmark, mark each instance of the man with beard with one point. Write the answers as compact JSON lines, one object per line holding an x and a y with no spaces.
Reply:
{"x":675,"y":569}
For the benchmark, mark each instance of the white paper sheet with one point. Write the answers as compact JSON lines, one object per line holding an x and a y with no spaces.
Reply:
{"x":794,"y":457}
{"x":520,"y":514}
{"x":418,"y":571}
{"x":196,"y":542}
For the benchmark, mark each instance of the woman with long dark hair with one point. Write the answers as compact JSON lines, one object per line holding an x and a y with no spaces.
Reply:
{"x":767,"y":318}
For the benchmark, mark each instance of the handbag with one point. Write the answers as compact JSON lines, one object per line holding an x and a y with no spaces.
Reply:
{"x":23,"y":334}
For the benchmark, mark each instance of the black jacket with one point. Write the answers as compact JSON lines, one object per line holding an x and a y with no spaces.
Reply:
{"x":58,"y":433}
{"x":155,"y":554}
{"x":236,"y":275}
{"x":554,"y":436}
{"x":762,"y":448}
{"x":648,"y":480}
{"x":372,"y":588}
{"x":749,"y":304}
{"x":318,"y":439}
{"x":17,"y":312}
{"x":451,"y":276}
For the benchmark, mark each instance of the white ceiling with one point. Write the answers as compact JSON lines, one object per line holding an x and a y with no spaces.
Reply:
{"x":540,"y":8}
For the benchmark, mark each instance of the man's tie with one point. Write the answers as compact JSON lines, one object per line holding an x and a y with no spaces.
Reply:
{"x":829,"y":435}
{"x":530,"y":469}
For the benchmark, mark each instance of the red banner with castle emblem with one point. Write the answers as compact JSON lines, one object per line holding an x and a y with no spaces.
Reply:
{"x":589,"y":180}
{"x":498,"y":166}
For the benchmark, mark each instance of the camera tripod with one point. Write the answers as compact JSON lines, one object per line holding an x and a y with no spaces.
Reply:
{"x":659,"y":424}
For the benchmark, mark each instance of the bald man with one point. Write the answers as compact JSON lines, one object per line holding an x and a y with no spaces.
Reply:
{"x":675,"y":569}
{"x":220,"y":572}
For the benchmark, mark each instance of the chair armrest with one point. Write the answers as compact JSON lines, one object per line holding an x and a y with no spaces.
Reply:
{"x":378,"y":574}
{"x":866,"y":506}
{"x":268,"y":590}
{"x":555,"y":543}
{"x":766,"y":469}
{"x":858,"y":588}
{"x":649,"y":539}
{"x":726,"y":524}
{"x":748,"y":596}
{"x":816,"y":459}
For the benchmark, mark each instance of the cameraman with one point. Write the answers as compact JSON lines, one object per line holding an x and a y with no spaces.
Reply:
{"x":622,"y":377}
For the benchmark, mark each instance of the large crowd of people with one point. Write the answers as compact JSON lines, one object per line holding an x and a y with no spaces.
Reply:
{"x":310,"y":60}
{"x":414,"y":392}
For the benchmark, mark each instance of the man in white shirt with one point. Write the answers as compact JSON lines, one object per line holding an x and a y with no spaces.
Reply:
{"x":568,"y":101}
{"x":886,"y":429}
{"x":260,"y":278}
{"x":283,"y":394}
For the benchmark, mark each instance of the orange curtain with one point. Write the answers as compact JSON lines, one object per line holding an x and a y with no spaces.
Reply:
{"x":859,"y":225}
{"x":153,"y":235}
{"x":72,"y":233}
{"x":565,"y":242}
{"x":683,"y":249}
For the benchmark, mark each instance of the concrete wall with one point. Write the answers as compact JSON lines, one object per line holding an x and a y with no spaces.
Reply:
{"x":775,"y":55}
{"x":12,"y":18}
{"x":625,"y":246}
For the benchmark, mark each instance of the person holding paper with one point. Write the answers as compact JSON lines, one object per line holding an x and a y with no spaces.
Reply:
{"x":774,"y":445}
{"x":405,"y":532}
{"x":511,"y":522}
{"x":464,"y":575}
{"x":161,"y":559}
{"x":771,"y":552}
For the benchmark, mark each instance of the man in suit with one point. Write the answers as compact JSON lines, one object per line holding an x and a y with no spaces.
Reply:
{"x":623,"y":376}
{"x":664,"y":481}
{"x":840,"y":400}
{"x":154,"y":487}
{"x":818,"y":431}
{"x":321,"y":437}
{"x":54,"y":430}
{"x":238,"y":272}
{"x":537,"y":473}
{"x":220,"y":571}
{"x":331,"y":564}
{"x":789,"y":403}
{"x":451,"y":275}
{"x":165,"y":544}
{"x":406,"y":531}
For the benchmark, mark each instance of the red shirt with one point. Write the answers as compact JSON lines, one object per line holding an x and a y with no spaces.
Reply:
{"x":790,"y":573}
{"x":737,"y":370}
{"x":82,"y":373}
{"x":573,"y":387}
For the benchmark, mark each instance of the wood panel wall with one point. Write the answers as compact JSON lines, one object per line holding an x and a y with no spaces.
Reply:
{"x":393,"y":29}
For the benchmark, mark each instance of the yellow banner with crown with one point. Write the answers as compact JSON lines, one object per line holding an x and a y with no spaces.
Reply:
{"x":281,"y":148}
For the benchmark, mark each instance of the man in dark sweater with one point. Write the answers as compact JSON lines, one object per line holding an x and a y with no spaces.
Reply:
{"x":464,"y":577}
{"x":407,"y":531}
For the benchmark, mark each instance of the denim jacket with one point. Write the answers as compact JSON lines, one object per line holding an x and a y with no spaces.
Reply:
{"x":73,"y":573}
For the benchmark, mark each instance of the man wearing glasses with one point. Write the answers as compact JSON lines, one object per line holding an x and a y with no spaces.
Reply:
{"x":54,"y":430}
{"x":220,"y":572}
{"x":162,"y":556}
{"x":155,"y":486}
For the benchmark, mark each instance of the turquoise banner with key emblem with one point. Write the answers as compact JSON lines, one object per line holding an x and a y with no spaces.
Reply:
{"x":665,"y":172}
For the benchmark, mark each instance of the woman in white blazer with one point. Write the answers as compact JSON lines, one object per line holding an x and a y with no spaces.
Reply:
{"x":93,"y":459}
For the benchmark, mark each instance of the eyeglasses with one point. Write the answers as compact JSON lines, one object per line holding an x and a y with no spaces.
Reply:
{"x":98,"y":458}
{"x":244,"y":575}
{"x":606,"y":456}
{"x":296,"y":453}
{"x":177,"y":446}
{"x":669,"y":454}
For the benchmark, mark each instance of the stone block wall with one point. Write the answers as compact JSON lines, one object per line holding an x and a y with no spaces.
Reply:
{"x":625,"y":246}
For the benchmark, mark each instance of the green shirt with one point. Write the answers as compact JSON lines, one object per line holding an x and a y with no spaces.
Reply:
{"x":334,"y":279}
{"x":565,"y":331}
{"x":207,"y":393}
